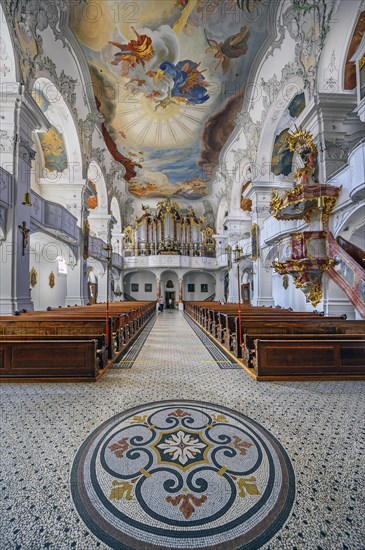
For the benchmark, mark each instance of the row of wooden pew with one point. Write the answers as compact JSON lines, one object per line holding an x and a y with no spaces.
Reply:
{"x":277,"y":343}
{"x":69,"y":344}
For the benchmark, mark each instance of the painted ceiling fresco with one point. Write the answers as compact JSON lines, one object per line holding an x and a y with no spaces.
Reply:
{"x":169,"y":78}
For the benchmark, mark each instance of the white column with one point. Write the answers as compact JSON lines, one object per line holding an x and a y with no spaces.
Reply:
{"x":77,"y":281}
{"x":102,"y":285}
{"x":233,"y":284}
{"x":262,"y":284}
{"x":77,"y":292}
{"x":219,"y":285}
{"x":181,"y":292}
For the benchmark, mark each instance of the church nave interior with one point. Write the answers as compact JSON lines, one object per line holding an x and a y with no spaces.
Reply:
{"x":182,"y":274}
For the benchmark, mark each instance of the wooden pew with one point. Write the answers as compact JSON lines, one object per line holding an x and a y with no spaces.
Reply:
{"x":40,"y":325}
{"x":249,"y":342}
{"x":274,"y":324}
{"x":101,"y":347}
{"x":58,"y":328}
{"x":303,"y":359}
{"x":286,"y":322}
{"x":66,"y":360}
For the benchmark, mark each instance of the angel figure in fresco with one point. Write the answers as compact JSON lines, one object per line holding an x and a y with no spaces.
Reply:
{"x":136,"y":52}
{"x":233,"y":47}
{"x":188,"y":82}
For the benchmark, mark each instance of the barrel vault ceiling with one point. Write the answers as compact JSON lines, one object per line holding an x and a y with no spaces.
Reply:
{"x":169,"y":78}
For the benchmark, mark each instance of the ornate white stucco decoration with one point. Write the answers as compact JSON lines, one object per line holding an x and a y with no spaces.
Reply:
{"x":308,"y":23}
{"x":331,"y":76}
{"x":5,"y":60}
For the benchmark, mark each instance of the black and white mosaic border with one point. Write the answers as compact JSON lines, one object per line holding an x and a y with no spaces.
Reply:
{"x":223,"y":360}
{"x":129,"y":355}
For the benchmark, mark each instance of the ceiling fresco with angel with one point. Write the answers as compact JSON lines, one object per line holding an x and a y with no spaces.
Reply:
{"x":169,"y":78}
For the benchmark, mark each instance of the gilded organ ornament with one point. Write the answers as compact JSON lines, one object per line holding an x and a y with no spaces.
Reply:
{"x":169,"y":231}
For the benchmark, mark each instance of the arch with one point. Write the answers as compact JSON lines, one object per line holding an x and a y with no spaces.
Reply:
{"x":98,"y":205}
{"x":221,"y":214}
{"x":59,"y":148}
{"x":116,"y":236}
{"x":10,"y":71}
{"x":198,"y":285}
{"x":92,"y":276}
{"x":96,"y":177}
{"x":351,"y":227}
{"x":115,"y":211}
{"x":335,"y":54}
{"x":170,"y":291}
{"x":262,"y":118}
{"x":49,"y":256}
{"x":350,"y":69}
{"x":92,"y":285}
{"x":278,"y":118}
{"x":10,"y":76}
{"x":140,"y":278}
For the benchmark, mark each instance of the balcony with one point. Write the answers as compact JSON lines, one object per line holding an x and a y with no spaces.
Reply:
{"x":54,"y":219}
{"x":273,"y":229}
{"x":117,"y":260}
{"x":6,"y":188}
{"x":6,"y":193}
{"x":97,"y":250}
{"x":173,"y":261}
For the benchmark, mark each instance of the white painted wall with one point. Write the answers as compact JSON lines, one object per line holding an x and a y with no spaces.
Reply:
{"x":43,"y":257}
{"x":198,"y":279}
{"x":141,"y":277}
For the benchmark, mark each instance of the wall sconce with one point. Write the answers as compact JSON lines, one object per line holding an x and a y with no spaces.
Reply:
{"x":26,"y":200}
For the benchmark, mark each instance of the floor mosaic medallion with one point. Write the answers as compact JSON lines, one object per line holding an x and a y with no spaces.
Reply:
{"x":182,"y":474}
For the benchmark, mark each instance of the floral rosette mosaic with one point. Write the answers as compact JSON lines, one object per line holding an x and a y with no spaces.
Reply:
{"x":182,"y":474}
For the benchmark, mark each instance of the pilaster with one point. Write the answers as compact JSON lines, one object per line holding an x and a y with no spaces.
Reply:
{"x":14,"y":258}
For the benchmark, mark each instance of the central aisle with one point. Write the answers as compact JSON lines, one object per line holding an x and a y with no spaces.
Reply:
{"x":45,"y":425}
{"x":173,"y":343}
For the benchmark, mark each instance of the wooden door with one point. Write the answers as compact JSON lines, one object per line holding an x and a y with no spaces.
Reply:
{"x":92,"y":290}
{"x":170,"y":296}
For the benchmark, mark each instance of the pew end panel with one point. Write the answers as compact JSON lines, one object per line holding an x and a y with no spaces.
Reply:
{"x":309,"y":359}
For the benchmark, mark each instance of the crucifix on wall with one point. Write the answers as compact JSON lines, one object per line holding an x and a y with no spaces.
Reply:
{"x":24,"y":230}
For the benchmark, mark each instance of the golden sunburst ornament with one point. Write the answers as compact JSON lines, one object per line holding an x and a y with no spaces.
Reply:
{"x":301,"y":141}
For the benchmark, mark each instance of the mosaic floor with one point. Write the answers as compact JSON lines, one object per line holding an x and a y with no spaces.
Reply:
{"x":316,"y":427}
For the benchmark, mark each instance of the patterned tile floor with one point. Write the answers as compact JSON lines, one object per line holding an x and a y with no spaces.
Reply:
{"x":320,"y":424}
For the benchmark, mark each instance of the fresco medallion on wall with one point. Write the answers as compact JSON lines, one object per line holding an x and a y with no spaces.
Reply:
{"x":182,"y":474}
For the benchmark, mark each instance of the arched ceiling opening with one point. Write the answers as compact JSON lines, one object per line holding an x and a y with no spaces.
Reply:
{"x":97,"y":180}
{"x":169,"y":79}
{"x":60,"y":146}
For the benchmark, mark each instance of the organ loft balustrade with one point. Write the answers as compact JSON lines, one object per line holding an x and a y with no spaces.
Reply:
{"x":169,"y":232}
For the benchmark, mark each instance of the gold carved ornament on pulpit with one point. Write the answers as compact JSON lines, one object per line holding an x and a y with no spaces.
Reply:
{"x":308,"y":259}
